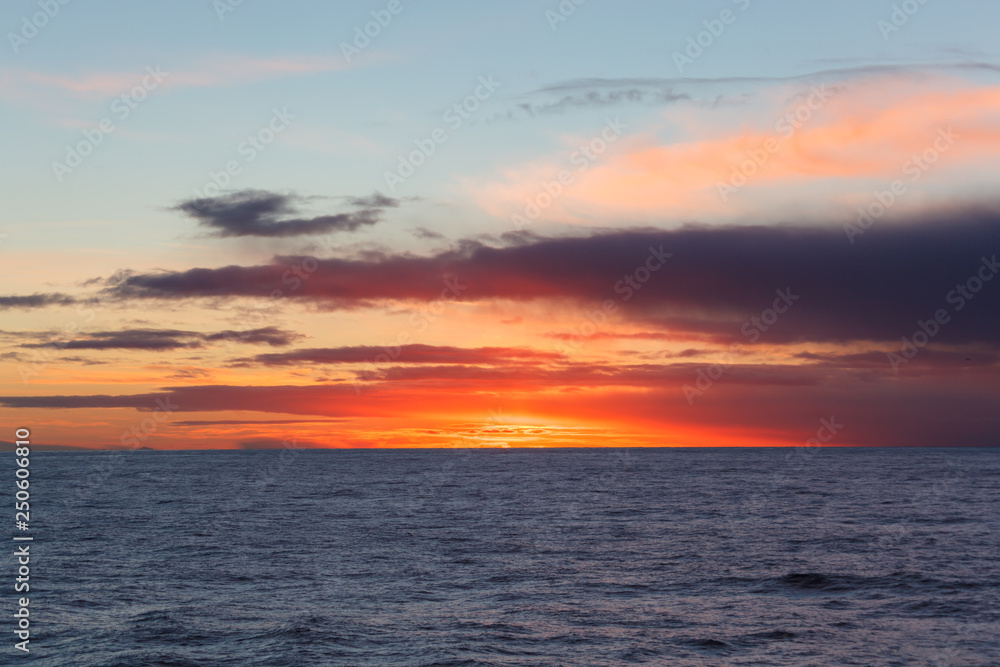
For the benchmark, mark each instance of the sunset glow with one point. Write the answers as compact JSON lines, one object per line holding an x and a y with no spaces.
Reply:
{"x":500,"y":258}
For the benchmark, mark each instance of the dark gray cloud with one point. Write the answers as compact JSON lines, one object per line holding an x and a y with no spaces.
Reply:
{"x":427,"y":234}
{"x":271,"y":214}
{"x":595,"y":92}
{"x":35,"y":301}
{"x":407,"y":354}
{"x":166,"y":339}
{"x":137,"y":339}
{"x":596,"y":99}
{"x":875,"y":289}
{"x":374,"y":200}
{"x":272,"y":336}
{"x":926,"y":360}
{"x":586,"y":85}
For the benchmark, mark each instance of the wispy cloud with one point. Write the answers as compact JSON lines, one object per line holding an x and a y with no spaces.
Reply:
{"x":165,"y":339}
{"x":409,"y":354}
{"x":35,"y":301}
{"x":859,"y":131}
{"x":22,"y":84}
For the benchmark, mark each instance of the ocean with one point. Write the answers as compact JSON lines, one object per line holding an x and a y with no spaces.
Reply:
{"x":724,"y":556}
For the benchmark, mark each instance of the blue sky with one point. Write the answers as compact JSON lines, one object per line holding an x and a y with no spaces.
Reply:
{"x":351,"y":124}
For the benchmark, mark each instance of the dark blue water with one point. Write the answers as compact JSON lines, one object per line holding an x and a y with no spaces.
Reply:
{"x":515,"y":557}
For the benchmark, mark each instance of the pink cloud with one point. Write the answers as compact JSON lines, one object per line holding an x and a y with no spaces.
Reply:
{"x":865,"y":132}
{"x":27,"y":85}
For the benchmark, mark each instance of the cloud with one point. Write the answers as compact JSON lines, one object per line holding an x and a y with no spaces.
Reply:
{"x":916,"y":70}
{"x":35,"y":301}
{"x":205,"y":398}
{"x":927,"y":362}
{"x":750,"y":404}
{"x":427,"y":235}
{"x":594,"y":99}
{"x":189,"y":374}
{"x":596,"y":92}
{"x":255,"y":422}
{"x":272,"y":336}
{"x":167,"y":339}
{"x":408,"y":354}
{"x":614,"y":335}
{"x":858,"y":134}
{"x":716,"y":279}
{"x":260,"y":213}
{"x":375,"y":200}
{"x":584,"y":376}
{"x":224,"y":70}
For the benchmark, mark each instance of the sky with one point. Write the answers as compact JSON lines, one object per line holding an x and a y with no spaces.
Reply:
{"x":398,"y":223}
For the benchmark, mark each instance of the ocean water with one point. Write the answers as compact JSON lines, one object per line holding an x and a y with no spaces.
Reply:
{"x":514,"y":557}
